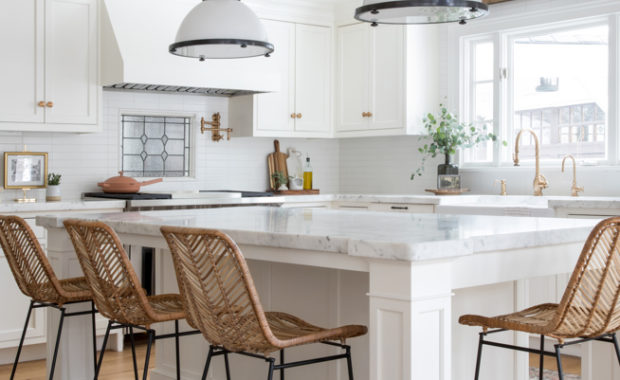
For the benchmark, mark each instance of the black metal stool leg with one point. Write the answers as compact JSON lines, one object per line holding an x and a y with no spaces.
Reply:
{"x":271,"y":365}
{"x":558,"y":357}
{"x":151,"y":338}
{"x":616,"y":346}
{"x":349,"y":363}
{"x":542,"y":357}
{"x":207,"y":364}
{"x":282,"y":362}
{"x":133,"y":353}
{"x":94,"y":326}
{"x":21,"y":341}
{"x":479,"y":356}
{"x":105,"y":342}
{"x":62,"y":319}
{"x":176,"y":347}
{"x":227,"y":366}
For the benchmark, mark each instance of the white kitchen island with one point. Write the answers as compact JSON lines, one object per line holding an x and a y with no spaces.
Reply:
{"x":407,"y":276}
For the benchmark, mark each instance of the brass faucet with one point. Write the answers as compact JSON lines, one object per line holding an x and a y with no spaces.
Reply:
{"x":574,"y":189}
{"x":215,"y":127}
{"x":502,"y":183}
{"x":540,"y":182}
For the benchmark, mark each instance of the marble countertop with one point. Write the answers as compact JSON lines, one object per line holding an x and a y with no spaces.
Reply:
{"x":410,"y":237}
{"x":65,"y":205}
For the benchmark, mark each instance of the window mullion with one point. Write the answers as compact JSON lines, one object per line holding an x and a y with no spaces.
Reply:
{"x":614,"y":91}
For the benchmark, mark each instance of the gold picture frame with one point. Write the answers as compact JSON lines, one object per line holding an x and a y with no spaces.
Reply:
{"x":25,"y":170}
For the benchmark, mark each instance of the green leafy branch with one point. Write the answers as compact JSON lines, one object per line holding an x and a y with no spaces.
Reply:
{"x":447,"y":134}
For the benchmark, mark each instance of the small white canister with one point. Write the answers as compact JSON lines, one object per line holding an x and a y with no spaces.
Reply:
{"x":52,"y":194}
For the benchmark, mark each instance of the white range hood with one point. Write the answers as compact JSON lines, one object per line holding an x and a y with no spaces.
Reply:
{"x":135,"y":37}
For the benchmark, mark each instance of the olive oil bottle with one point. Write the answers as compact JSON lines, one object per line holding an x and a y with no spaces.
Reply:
{"x":307,"y":175}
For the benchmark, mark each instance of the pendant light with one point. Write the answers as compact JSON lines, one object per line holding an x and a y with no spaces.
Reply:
{"x":420,"y":11}
{"x":220,"y":29}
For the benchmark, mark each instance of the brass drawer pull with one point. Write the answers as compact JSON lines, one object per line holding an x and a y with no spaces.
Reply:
{"x":400,"y":208}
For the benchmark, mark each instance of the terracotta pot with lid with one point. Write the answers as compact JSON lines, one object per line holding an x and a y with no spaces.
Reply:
{"x":124,"y":185}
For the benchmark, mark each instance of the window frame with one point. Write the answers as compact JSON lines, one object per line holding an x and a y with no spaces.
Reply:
{"x":503,"y":65}
{"x":193,"y":120}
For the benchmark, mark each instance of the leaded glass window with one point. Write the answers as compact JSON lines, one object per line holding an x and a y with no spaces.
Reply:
{"x":156,"y":146}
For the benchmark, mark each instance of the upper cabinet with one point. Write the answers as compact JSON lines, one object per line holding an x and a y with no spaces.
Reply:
{"x":387,"y":79}
{"x":301,"y":108}
{"x":50,"y":67}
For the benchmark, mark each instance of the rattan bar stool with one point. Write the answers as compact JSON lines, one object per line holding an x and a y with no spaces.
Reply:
{"x":36,"y":279}
{"x":222,"y":302}
{"x":589,"y":309}
{"x":117,"y":291}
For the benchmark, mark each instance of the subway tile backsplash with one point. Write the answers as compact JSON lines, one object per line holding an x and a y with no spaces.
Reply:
{"x":241,"y":163}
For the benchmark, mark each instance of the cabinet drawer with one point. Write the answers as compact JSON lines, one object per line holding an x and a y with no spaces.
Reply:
{"x":400,"y":207}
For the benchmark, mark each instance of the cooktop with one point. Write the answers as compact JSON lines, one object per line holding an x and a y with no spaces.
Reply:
{"x":131,"y":197}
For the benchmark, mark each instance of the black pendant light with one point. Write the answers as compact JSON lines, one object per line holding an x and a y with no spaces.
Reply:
{"x":420,"y":11}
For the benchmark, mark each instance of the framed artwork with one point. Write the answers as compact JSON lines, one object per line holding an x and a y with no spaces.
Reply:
{"x":25,"y":170}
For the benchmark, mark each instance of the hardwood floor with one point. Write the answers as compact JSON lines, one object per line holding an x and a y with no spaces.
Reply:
{"x":570,"y":364}
{"x":118,"y":365}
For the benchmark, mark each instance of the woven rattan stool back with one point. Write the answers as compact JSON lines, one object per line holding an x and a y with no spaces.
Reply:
{"x":31,"y":269}
{"x":217,"y":290}
{"x":590,"y":305}
{"x":113,"y":281}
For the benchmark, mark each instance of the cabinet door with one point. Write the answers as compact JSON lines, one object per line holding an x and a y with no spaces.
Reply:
{"x":71,"y":61}
{"x":353,"y":77}
{"x":387,"y":68}
{"x":312,"y":83}
{"x":274,"y":109}
{"x":22,"y":63}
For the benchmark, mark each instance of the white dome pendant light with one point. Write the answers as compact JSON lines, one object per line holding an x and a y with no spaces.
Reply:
{"x":420,"y":11}
{"x":220,"y":29}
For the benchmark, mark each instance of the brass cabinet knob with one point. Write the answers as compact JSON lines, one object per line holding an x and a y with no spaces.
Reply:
{"x":364,"y":114}
{"x":299,"y":116}
{"x":293,"y":116}
{"x":41,"y":103}
{"x":49,"y":104}
{"x":369,"y":114}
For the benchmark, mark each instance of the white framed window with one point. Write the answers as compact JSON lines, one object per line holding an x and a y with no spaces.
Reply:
{"x":554,"y":79}
{"x":480,"y":95}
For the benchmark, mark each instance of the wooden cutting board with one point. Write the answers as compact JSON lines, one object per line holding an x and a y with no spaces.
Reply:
{"x":276,"y":162}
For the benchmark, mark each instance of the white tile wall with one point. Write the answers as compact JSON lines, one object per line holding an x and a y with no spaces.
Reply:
{"x":383,"y":165}
{"x":84,"y":160}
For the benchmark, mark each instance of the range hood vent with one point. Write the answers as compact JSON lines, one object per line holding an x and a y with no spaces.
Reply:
{"x":180,"y":89}
{"x":135,"y":37}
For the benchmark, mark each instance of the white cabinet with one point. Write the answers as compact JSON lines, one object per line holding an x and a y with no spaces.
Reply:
{"x":49,"y":72}
{"x":302,"y":106}
{"x":22,"y":63}
{"x":387,"y":79}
